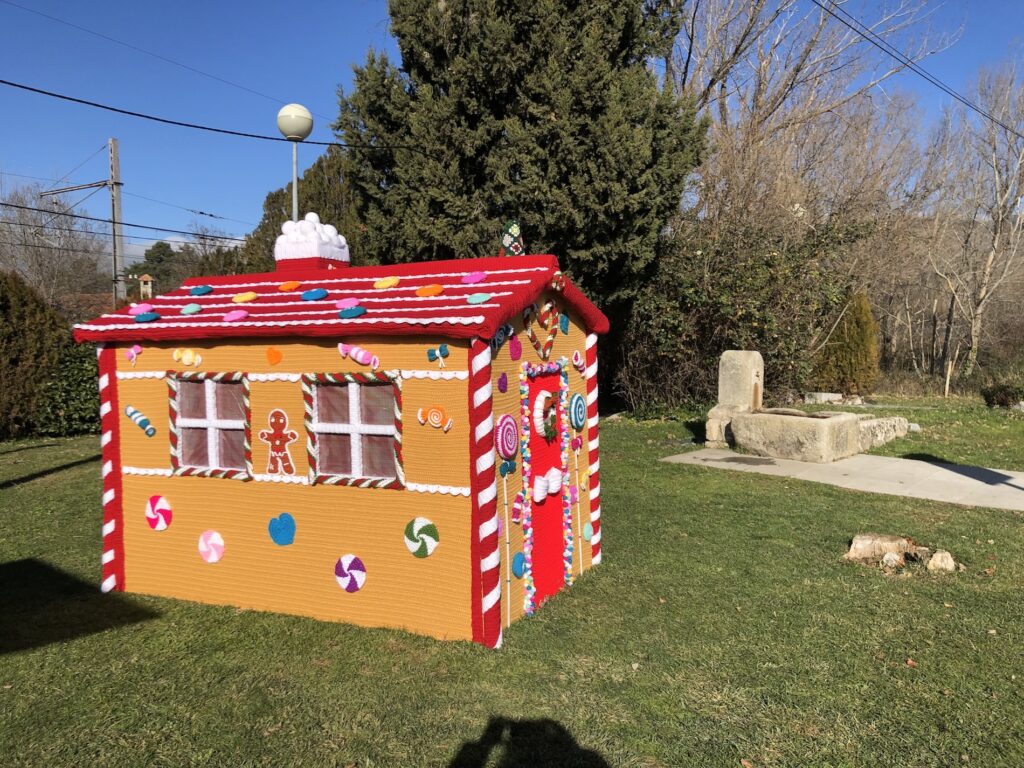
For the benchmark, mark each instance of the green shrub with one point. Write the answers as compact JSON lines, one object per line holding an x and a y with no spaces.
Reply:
{"x":32,"y":336}
{"x":69,"y":404}
{"x":1003,"y":394}
{"x":848,"y":362}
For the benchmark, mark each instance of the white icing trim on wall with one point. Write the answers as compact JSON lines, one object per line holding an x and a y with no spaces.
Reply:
{"x":469,"y":320}
{"x":274,"y":376}
{"x":450,"y":490}
{"x":435,"y":375}
{"x":286,"y":479}
{"x":140,"y":375}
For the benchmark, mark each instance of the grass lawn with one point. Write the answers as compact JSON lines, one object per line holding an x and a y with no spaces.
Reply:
{"x":721,"y":627}
{"x":959,"y":429}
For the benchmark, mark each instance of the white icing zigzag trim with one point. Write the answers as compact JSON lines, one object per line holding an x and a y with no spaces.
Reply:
{"x":177,"y":302}
{"x":147,"y":471}
{"x":140,"y":374}
{"x":470,"y":320}
{"x":301,"y":310}
{"x":436,"y":375}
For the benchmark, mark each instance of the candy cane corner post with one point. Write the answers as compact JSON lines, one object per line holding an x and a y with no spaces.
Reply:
{"x":485,"y":556}
{"x":112,"y":560}
{"x":594,"y":462}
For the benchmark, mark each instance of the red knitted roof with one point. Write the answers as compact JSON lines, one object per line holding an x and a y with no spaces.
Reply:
{"x":508,"y":285}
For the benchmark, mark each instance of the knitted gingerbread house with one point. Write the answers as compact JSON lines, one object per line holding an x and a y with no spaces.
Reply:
{"x":408,"y":446}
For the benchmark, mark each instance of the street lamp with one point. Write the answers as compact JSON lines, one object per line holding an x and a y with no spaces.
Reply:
{"x":295,"y":123}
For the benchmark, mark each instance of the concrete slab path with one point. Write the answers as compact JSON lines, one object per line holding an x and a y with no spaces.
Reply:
{"x":956,"y":483}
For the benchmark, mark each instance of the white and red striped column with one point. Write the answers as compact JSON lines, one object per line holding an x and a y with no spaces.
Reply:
{"x":112,"y":574}
{"x":485,"y":555}
{"x":593,"y":448}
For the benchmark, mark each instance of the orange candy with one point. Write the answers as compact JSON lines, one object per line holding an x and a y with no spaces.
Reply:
{"x":290,"y":285}
{"x":430,"y":290}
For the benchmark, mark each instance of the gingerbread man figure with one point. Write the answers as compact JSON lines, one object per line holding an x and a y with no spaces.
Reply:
{"x":278,"y":437}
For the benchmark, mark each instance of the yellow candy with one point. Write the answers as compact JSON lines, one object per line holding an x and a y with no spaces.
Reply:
{"x":386,"y":282}
{"x":239,"y":298}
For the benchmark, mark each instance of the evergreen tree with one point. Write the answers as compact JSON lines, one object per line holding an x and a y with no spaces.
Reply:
{"x":541,"y":110}
{"x":31,"y":339}
{"x":849,"y":361}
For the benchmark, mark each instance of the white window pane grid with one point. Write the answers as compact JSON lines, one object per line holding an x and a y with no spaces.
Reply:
{"x":355,"y":428}
{"x":212,"y":425}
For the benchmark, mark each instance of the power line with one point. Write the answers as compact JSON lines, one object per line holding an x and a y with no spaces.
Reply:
{"x":136,"y":48}
{"x":196,"y":126}
{"x":141,"y":197}
{"x":126,"y":224}
{"x":184,"y":208}
{"x":89,"y":233}
{"x":876,"y":40}
{"x":66,"y":175}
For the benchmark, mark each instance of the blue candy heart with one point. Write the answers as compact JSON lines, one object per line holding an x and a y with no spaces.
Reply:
{"x":282,"y":529}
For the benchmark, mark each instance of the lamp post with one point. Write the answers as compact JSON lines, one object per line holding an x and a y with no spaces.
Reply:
{"x":295,"y":123}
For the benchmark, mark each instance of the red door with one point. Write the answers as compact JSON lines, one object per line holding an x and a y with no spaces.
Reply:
{"x":546,"y":477}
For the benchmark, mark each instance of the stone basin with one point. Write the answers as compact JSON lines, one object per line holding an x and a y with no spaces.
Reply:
{"x":783,"y":433}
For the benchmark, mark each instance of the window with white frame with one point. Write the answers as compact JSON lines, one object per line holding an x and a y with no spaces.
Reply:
{"x":211,"y":424}
{"x":355,"y":430}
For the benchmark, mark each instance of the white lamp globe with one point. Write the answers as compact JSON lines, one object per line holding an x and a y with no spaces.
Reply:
{"x":294,"y":122}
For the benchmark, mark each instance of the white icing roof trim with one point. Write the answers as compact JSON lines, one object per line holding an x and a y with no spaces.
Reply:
{"x":308,"y":239}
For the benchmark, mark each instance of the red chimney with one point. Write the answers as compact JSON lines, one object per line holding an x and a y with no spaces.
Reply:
{"x":309,"y":244}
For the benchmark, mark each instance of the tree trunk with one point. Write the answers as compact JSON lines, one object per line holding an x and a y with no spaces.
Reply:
{"x":935,"y":337}
{"x":948,"y":335}
{"x":972,"y":350}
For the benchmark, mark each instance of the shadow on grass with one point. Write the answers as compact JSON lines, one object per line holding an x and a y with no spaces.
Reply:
{"x":48,"y":471}
{"x":981,"y":474}
{"x":40,"y":604}
{"x":21,"y":448}
{"x":698,"y":429}
{"x":526,"y":744}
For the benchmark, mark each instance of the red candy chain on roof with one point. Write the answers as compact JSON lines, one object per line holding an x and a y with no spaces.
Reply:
{"x":412,"y":306}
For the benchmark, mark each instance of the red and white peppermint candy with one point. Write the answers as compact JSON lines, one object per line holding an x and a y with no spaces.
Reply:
{"x":158,"y":513}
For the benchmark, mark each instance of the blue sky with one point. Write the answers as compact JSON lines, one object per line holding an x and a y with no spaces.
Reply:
{"x":288,"y":51}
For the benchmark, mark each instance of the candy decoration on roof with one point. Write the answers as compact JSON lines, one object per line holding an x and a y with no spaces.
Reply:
{"x":350,"y":313}
{"x":200,"y":290}
{"x":147,"y":317}
{"x":139,"y":419}
{"x":235,"y":315}
{"x":289,"y":285}
{"x":241,"y":298}
{"x":359,"y":355}
{"x":512,"y":240}
{"x":470,"y":278}
{"x":314,"y":294}
{"x":427,"y":291}
{"x":191,"y":309}
{"x":386,"y":282}
{"x":347,"y":303}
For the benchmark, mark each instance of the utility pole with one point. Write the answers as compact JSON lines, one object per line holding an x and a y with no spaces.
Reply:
{"x":113,"y":183}
{"x":115,"y":221}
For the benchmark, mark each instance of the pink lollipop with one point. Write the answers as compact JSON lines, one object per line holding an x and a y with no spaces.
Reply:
{"x":506,"y":437}
{"x":211,"y":546}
